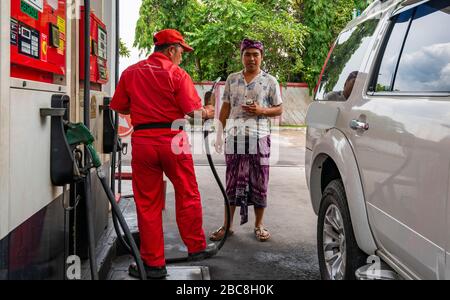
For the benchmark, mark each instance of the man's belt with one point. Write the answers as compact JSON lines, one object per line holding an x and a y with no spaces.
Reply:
{"x":156,"y":126}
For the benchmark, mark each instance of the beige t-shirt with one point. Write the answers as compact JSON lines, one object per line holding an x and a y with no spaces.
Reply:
{"x":263,"y":89}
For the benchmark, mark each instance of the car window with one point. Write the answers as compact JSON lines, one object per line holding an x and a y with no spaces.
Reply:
{"x":421,"y":62}
{"x":392,"y":52}
{"x":425,"y":62}
{"x":345,"y":61}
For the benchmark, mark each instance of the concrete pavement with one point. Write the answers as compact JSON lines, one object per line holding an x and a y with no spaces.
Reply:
{"x":290,"y":253}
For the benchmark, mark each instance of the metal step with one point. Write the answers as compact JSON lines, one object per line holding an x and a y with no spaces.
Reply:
{"x":174,"y":273}
{"x":376,"y":271}
{"x":113,"y":261}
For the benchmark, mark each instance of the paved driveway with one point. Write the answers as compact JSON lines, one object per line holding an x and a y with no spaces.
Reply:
{"x":291,"y":252}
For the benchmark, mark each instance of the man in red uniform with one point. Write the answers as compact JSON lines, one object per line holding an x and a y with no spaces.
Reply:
{"x":157,"y":92}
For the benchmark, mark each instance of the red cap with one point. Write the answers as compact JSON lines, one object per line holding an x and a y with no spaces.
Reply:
{"x":171,"y":36}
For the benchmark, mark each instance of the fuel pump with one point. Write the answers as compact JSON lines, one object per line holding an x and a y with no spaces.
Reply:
{"x":38,"y":40}
{"x":39,"y":44}
{"x":98,"y":40}
{"x":79,"y":134}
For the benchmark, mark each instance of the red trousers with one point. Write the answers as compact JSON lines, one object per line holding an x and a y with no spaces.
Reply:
{"x":150,"y":158}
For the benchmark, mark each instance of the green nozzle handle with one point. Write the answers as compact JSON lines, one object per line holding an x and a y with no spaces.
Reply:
{"x":94,"y":155}
{"x":79,"y":134}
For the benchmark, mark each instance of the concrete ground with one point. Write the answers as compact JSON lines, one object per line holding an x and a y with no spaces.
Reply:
{"x":290,"y":253}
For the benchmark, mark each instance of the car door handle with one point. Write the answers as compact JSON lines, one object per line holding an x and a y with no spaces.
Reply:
{"x":358,"y":125}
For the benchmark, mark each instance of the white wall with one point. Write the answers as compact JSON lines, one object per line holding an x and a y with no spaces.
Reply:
{"x":296,"y":100}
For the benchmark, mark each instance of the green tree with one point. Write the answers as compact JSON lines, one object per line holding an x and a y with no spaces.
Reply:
{"x":284,"y":40}
{"x":325,"y":19}
{"x":155,"y":15}
{"x":123,"y":49}
{"x":297,"y":33}
{"x":215,"y":29}
{"x":222,"y":25}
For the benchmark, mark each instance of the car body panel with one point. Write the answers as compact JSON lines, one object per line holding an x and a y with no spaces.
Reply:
{"x":335,"y":146}
{"x":404,"y":161}
{"x":401,"y":165}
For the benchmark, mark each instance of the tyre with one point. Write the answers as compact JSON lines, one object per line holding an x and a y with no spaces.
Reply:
{"x":339,"y":254}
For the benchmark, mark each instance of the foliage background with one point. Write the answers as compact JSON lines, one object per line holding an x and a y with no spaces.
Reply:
{"x":297,"y":34}
{"x":123,"y":50}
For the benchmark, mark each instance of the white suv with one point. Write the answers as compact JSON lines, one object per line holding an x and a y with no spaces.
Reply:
{"x":378,"y":145}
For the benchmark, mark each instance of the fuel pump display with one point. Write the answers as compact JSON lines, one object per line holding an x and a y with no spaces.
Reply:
{"x":99,"y":41}
{"x":38,"y":39}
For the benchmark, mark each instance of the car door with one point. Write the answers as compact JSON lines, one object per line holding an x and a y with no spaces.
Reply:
{"x":400,"y":131}
{"x":447,"y":228}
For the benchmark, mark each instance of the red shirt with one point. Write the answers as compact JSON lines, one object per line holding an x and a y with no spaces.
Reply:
{"x":155,"y":91}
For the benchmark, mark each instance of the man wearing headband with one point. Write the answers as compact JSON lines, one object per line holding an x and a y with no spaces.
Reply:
{"x":251,"y":97}
{"x":157,"y":92}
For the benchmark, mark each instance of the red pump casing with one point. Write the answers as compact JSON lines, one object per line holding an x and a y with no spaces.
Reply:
{"x":38,"y":39}
{"x":99,"y":62}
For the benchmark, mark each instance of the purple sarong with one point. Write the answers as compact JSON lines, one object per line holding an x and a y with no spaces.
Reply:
{"x":247,"y":173}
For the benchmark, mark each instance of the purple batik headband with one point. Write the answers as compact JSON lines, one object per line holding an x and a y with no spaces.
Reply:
{"x":247,"y":43}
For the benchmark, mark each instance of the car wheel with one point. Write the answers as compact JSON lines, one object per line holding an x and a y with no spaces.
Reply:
{"x":339,"y":254}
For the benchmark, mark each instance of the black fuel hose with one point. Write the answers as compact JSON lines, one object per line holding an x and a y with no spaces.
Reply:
{"x":119,"y":234}
{"x":174,"y":260}
{"x":132,"y":247}
{"x":116,"y":136}
{"x":222,"y":189}
{"x":128,"y":243}
{"x":117,"y":215}
{"x":206,"y":133}
{"x":86,"y":116}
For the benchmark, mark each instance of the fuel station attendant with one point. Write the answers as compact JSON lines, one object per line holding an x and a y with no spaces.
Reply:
{"x":156,"y":92}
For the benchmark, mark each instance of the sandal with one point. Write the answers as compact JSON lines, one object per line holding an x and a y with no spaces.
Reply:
{"x":219,"y":234}
{"x":262,"y":234}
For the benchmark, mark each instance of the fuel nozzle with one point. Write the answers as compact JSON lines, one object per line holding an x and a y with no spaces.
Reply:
{"x":79,"y":134}
{"x":210,"y":98}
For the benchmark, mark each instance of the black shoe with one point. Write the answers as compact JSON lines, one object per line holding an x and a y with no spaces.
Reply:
{"x":152,"y":272}
{"x":210,"y":251}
